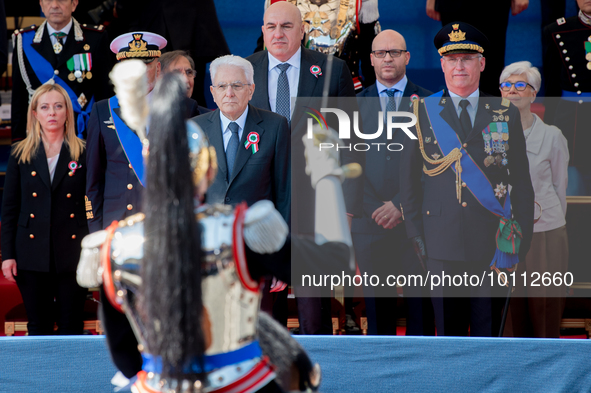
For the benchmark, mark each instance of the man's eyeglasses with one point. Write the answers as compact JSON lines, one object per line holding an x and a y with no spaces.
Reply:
{"x":380,"y":54}
{"x":189,"y":72}
{"x":236,"y":86}
{"x":453,"y":61}
{"x":519,"y":86}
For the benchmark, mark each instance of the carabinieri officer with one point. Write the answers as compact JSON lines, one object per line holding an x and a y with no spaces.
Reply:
{"x":567,"y":74}
{"x":61,"y":51}
{"x":475,"y":187}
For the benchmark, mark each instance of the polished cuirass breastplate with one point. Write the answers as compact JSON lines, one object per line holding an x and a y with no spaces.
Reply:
{"x":231,"y":299}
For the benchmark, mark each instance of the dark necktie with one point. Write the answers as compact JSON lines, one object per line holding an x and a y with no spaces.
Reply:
{"x":59,"y":36}
{"x":465,"y":120}
{"x":391,"y":107}
{"x":282,"y":103}
{"x":232,"y":148}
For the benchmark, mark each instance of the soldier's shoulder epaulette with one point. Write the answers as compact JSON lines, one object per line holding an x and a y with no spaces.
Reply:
{"x":99,"y":28}
{"x":25,"y":29}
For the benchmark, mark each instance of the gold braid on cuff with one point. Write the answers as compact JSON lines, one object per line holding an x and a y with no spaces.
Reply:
{"x":443,"y":163}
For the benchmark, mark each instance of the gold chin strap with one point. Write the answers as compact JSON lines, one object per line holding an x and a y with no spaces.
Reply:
{"x":443,"y":163}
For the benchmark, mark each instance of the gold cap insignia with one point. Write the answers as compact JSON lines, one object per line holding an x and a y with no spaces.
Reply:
{"x":137,"y":44}
{"x":457,"y":34}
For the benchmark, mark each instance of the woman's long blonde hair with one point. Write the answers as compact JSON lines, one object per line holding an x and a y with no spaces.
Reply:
{"x":27,"y":148}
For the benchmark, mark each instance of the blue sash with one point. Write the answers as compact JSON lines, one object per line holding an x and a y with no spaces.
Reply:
{"x":572,"y":96}
{"x":44,"y":72}
{"x":476,"y":181}
{"x":253,"y":350}
{"x":130,"y":142}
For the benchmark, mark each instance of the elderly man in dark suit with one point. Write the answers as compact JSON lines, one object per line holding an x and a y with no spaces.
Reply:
{"x":252,"y":145}
{"x":476,"y":207}
{"x":379,"y":235}
{"x":285,"y":71}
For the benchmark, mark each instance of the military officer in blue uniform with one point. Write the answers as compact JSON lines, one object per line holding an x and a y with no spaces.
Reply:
{"x":567,"y":74}
{"x":114,"y":151}
{"x":61,"y":51}
{"x":474,"y":187}
{"x":115,"y":175}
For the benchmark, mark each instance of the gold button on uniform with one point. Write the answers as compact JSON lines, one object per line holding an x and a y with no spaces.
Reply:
{"x":34,"y":195}
{"x":129,"y":186}
{"x":129,"y":207}
{"x":428,"y":212}
{"x":33,"y":173}
{"x":32,"y":236}
{"x":463,"y":184}
{"x":129,"y":166}
{"x":465,"y":145}
{"x":32,"y":215}
{"x":72,"y":215}
{"x":73,"y":236}
{"x":464,"y":204}
{"x":68,"y":195}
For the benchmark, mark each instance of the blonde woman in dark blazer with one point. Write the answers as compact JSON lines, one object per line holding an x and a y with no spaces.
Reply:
{"x":43,"y":215}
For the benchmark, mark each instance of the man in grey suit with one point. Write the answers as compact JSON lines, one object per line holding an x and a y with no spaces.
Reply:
{"x":379,"y":235}
{"x":252,"y":145}
{"x":283,"y":71}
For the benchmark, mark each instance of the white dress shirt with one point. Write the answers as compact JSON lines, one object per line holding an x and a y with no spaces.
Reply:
{"x":227,"y":133}
{"x":401,"y":85}
{"x":51,"y":30}
{"x":293,"y":77}
{"x":472,"y":99}
{"x":51,"y":165}
{"x":547,"y":153}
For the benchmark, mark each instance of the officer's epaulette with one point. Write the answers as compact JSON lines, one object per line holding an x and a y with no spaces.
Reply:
{"x":25,"y":29}
{"x":100,"y":28}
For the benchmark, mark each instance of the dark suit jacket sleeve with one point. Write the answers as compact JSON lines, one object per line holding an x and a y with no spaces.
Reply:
{"x":282,"y":172}
{"x":411,"y":191}
{"x":522,"y":192}
{"x":352,"y":188}
{"x":11,"y":207}
{"x":19,"y":103}
{"x":95,"y":170}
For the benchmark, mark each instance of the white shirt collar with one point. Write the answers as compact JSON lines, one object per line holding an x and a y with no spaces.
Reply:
{"x":66,"y":29}
{"x":472,"y":99}
{"x":293,"y":61}
{"x":241,"y":121}
{"x":400,"y":85}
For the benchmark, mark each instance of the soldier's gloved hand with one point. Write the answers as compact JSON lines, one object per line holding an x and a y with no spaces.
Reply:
{"x":421,"y":251}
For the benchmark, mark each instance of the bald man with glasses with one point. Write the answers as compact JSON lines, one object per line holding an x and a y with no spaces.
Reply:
{"x":379,"y":235}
